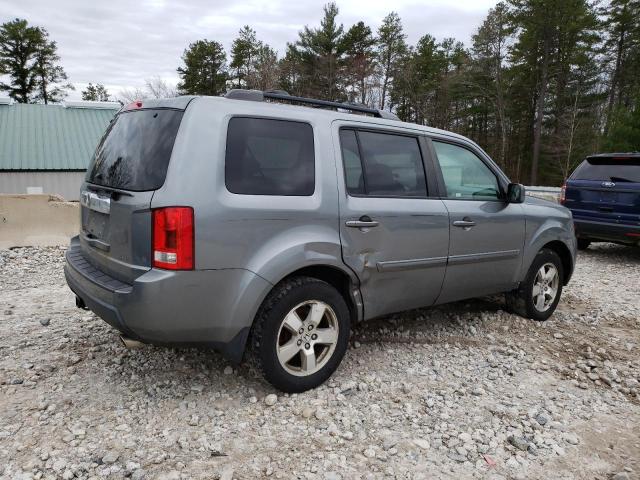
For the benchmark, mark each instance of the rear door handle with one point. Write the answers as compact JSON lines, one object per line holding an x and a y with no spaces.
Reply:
{"x":363,"y":222}
{"x":464,"y":223}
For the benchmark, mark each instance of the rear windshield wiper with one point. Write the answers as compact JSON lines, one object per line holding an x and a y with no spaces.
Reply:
{"x":621,"y":179}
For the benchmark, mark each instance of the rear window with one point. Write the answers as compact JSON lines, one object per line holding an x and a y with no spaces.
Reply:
{"x":134,"y":153}
{"x":609,"y":169}
{"x":269,"y":157}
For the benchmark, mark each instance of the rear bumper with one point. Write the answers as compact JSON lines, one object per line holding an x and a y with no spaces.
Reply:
{"x":613,"y":232}
{"x":214,"y":308}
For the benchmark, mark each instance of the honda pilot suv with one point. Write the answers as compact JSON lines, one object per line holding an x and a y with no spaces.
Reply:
{"x":603,"y":194}
{"x":271,"y":223}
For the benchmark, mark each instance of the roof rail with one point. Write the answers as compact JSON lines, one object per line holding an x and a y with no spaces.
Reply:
{"x":282,"y":96}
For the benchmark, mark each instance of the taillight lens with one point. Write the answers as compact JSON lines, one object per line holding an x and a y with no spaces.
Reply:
{"x":173,"y":238}
{"x":563,"y":193}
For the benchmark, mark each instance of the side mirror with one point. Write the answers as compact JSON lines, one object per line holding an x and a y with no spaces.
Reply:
{"x":515,"y":193}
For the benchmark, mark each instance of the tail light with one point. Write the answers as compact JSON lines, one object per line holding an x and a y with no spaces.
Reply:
{"x":563,"y":193}
{"x":173,"y":238}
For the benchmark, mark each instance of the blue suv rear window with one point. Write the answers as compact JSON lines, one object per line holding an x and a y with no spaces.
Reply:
{"x":609,"y":169}
{"x":269,"y":157}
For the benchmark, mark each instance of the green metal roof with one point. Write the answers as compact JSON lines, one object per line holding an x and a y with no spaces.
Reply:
{"x":51,"y":137}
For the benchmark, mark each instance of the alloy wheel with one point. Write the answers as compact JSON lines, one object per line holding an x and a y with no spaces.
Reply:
{"x":307,"y":338}
{"x":545,"y":287}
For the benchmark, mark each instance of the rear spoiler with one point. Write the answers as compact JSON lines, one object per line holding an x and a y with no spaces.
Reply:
{"x":174,"y":103}
{"x":615,"y":156}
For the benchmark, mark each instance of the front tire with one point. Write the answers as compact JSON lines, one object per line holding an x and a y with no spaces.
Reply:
{"x":300,"y":334}
{"x":539,"y":294}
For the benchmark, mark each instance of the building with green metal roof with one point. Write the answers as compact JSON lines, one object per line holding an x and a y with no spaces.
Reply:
{"x":47,"y":148}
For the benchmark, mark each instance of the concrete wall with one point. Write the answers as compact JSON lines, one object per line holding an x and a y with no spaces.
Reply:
{"x":37,"y":220}
{"x":63,"y":184}
{"x":546,"y":193}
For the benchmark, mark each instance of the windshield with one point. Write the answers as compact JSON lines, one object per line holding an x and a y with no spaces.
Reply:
{"x":609,"y":169}
{"x":134,"y":152}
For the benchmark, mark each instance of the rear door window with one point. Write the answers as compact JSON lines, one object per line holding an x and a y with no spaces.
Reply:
{"x":609,"y":169}
{"x":134,"y":153}
{"x":269,"y":157}
{"x":381,"y":164}
{"x":352,"y":162}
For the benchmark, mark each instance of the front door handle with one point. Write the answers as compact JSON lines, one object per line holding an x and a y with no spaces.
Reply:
{"x":363,"y":222}
{"x":465,"y":223}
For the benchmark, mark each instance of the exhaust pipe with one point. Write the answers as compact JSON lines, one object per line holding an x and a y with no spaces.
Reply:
{"x":130,"y":343}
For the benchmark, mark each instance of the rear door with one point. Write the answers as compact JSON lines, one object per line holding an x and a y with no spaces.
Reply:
{"x":487,"y":233}
{"x":394,"y":236}
{"x":605,"y":189}
{"x":129,"y":164}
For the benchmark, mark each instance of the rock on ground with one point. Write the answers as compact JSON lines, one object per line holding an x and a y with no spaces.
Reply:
{"x":458,"y":391}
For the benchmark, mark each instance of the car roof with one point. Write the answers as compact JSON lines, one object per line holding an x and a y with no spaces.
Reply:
{"x":281,"y":109}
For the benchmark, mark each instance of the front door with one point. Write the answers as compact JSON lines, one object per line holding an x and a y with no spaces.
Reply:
{"x":486,"y":233}
{"x":394,"y":236}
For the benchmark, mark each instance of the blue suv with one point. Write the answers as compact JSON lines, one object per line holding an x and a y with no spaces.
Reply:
{"x":603,"y":194}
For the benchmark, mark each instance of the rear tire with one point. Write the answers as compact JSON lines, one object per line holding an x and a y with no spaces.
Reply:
{"x":300,"y":334}
{"x":583,"y":243}
{"x":539,"y":293}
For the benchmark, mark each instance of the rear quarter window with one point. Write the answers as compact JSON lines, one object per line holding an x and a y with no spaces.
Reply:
{"x":609,"y":169}
{"x":134,"y":152}
{"x":269,"y":157}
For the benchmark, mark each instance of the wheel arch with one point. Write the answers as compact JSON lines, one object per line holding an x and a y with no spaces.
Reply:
{"x":553,"y":232}
{"x":561,"y":249}
{"x":339,"y":279}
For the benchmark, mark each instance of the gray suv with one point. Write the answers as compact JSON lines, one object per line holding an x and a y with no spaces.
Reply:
{"x":271,"y":223}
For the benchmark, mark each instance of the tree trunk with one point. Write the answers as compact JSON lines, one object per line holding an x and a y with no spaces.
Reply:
{"x":385,"y":82}
{"x":45,"y":96}
{"x":614,"y":81}
{"x":542,"y":93}
{"x":572,"y":130}
{"x":383,"y":94}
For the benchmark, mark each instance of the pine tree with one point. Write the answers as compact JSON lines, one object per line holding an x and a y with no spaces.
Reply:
{"x":31,"y":62}
{"x":391,"y":49}
{"x":204,"y":71}
{"x":49,"y":73}
{"x":622,"y":54}
{"x":360,"y":62}
{"x":95,"y":93}
{"x":553,"y":60}
{"x":294,"y":72}
{"x":320,"y":56}
{"x":243,"y":55}
{"x":489,"y":85}
{"x":624,"y":132}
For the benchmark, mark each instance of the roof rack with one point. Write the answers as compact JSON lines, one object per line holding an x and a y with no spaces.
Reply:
{"x":282,"y":96}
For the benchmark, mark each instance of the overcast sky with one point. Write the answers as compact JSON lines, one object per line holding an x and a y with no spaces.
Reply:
{"x":121,"y":42}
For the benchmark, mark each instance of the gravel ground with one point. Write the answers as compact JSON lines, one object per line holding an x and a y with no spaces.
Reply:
{"x":464,"y":390}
